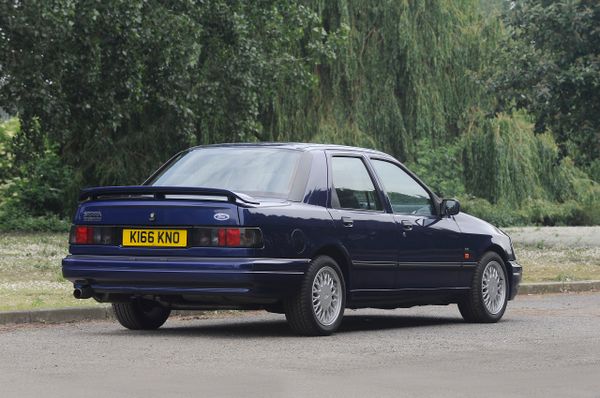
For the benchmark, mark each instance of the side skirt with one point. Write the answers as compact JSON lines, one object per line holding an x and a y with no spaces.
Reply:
{"x":405,"y":297}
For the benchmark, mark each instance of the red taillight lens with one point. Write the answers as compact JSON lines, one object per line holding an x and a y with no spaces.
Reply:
{"x":233,"y":237}
{"x":93,"y":235}
{"x":226,"y":237}
{"x":83,"y":235}
{"x":222,"y":234}
{"x":229,"y":237}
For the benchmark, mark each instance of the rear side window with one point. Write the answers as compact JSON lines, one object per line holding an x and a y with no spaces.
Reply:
{"x":353,"y":185}
{"x":406,"y":195}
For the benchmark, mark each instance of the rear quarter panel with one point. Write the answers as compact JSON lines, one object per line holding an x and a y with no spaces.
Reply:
{"x":294,"y":230}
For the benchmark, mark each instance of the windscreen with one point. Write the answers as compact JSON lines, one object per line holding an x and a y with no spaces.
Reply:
{"x":266,"y":172}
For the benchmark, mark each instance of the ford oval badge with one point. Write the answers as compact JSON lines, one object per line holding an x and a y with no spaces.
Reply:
{"x":221,"y":216}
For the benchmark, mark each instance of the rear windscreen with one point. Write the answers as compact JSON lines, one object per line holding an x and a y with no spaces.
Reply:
{"x":255,"y":171}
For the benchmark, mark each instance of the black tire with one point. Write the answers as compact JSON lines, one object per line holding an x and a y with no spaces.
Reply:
{"x":299,"y":310}
{"x":275,"y":308}
{"x":141,"y":314}
{"x":473,"y":307}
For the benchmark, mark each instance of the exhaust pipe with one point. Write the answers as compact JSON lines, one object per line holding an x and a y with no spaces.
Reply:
{"x":82,"y":292}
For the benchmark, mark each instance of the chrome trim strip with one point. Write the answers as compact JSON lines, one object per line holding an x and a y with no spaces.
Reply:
{"x":187,"y":271}
{"x":410,"y":264}
{"x":184,"y":259}
{"x":374,"y":264}
{"x":430,"y":264}
{"x":408,"y":289}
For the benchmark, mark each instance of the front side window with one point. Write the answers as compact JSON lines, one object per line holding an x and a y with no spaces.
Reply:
{"x":353,"y":185}
{"x":262,"y":172}
{"x":406,"y":195}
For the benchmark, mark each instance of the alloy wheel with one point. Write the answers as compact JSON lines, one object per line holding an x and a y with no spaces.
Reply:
{"x":326,"y":296}
{"x":493,"y":287}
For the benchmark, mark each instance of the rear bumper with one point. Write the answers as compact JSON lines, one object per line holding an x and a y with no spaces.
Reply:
{"x":243,"y":278}
{"x":517,"y":275}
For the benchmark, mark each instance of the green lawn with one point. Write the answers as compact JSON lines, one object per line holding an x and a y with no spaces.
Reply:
{"x":30,"y":275}
{"x":542,"y":263}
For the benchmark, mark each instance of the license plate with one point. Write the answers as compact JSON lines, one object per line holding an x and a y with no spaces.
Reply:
{"x":155,"y":237}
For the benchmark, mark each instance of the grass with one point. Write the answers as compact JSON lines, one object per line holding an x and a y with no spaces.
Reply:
{"x":30,"y":274}
{"x":545,"y":263}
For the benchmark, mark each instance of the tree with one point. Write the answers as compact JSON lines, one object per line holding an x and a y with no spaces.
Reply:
{"x":108,"y":90}
{"x":118,"y":86}
{"x":552,"y":69}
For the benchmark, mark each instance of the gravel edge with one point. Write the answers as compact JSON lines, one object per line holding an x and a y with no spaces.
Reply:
{"x":65,"y":315}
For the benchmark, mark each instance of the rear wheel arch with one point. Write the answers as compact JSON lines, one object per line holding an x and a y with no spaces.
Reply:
{"x":341,"y":257}
{"x":318,"y":308}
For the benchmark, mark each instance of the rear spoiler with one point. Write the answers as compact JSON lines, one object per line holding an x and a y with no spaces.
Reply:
{"x":159,"y":192}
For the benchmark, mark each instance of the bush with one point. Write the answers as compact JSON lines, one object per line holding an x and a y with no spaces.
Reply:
{"x":36,"y":199}
{"x":40,"y":187}
{"x":8,"y":129}
{"x":14,"y":219}
{"x":534,"y":212}
{"x":35,"y":193}
{"x":496,"y":214}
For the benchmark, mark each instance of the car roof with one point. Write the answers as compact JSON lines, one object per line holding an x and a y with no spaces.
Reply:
{"x":298,"y":146}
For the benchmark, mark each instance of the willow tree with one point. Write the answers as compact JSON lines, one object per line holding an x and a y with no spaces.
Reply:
{"x":406,"y":71}
{"x":411,"y":78}
{"x":109,"y":90}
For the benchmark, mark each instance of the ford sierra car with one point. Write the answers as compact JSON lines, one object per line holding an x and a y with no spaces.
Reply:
{"x":305,"y":230}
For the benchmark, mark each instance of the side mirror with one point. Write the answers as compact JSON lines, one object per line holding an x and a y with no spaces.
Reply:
{"x":450,"y":207}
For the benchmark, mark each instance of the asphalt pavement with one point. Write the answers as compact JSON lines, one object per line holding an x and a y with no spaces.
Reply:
{"x":546,"y":346}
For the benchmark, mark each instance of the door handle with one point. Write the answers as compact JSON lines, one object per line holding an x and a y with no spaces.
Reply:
{"x":406,"y":225}
{"x":347,"y":222}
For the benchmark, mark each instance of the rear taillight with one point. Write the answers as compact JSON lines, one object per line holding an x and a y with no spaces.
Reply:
{"x":92,"y":235}
{"x":226,"y":237}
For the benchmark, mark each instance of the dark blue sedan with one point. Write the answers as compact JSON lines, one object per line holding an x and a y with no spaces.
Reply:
{"x":301,"y":229}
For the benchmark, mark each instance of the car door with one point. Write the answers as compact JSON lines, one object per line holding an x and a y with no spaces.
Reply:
{"x":365,"y":229}
{"x":430,"y":250}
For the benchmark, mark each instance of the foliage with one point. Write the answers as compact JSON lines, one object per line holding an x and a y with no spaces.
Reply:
{"x":8,"y":130}
{"x":17,"y":220}
{"x":33,"y":193}
{"x":441,"y":167}
{"x":107,"y":91}
{"x":41,"y":188}
{"x":535,"y":212}
{"x":407,"y":71}
{"x":137,"y":81}
{"x":504,"y":161}
{"x":552,"y":69}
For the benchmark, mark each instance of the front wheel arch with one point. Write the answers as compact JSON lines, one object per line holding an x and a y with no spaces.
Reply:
{"x":474,"y":307}
{"x":507,"y":265}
